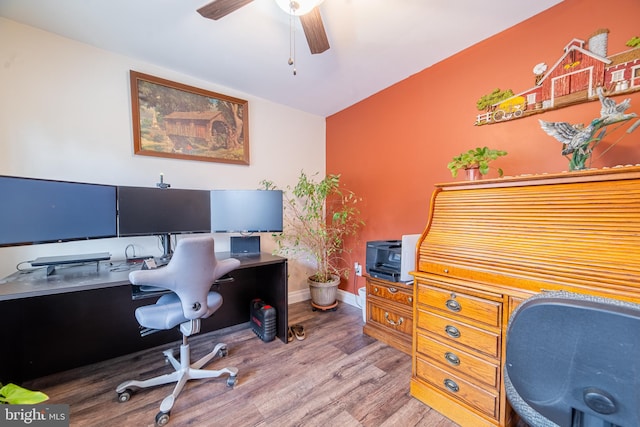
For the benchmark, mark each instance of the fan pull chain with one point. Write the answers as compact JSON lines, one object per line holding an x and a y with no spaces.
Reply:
{"x":292,"y":41}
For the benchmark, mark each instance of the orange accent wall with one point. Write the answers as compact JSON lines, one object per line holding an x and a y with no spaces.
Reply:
{"x":392,"y":147}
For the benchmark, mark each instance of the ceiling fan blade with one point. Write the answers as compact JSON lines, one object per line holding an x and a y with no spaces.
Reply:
{"x":219,"y":8}
{"x":314,"y":31}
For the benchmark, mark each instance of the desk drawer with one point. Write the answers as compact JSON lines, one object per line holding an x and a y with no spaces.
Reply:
{"x":458,"y":361}
{"x":391,"y":319}
{"x":399,"y":293}
{"x":452,"y":331}
{"x":459,"y":304}
{"x":483,"y":400}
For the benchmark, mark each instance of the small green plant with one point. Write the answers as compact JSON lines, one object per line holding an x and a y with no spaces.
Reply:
{"x":634,"y":42}
{"x":478,"y":157}
{"x":486,"y":102}
{"x":16,"y":395}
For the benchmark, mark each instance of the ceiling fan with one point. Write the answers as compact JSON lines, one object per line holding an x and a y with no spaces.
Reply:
{"x":307,"y":10}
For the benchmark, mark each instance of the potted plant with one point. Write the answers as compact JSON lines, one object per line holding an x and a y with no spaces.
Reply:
{"x":475,"y":161}
{"x":318,"y":216}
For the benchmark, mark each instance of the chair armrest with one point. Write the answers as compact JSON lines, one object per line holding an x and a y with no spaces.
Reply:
{"x":156,"y":277}
{"x":224,"y":266}
{"x":224,"y":279}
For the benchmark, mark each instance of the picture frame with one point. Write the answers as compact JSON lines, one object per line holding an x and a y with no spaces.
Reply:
{"x":174,"y":120}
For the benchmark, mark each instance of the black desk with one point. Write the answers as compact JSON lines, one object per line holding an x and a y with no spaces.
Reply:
{"x":82,"y":315}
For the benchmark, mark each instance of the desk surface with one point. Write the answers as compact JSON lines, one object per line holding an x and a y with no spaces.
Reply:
{"x":73,"y":278}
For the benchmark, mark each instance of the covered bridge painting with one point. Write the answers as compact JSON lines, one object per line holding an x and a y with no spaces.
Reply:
{"x":206,"y":128}
{"x":574,"y":78}
{"x":179,"y":121}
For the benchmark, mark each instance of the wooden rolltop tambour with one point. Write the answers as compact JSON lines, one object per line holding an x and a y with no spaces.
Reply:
{"x":578,"y":230}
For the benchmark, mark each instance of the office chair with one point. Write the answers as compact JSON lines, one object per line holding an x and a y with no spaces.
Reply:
{"x":574,"y":360}
{"x":189,"y":274}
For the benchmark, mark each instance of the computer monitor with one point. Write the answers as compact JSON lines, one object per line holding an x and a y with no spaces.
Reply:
{"x":45,"y":211}
{"x":144,"y":211}
{"x":246,"y":211}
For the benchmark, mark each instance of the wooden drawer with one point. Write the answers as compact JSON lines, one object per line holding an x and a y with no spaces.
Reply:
{"x":399,"y":293}
{"x":458,"y":361}
{"x":452,"y":331}
{"x":514,"y":302}
{"x":389,"y":318}
{"x":485,"y":401}
{"x":459,"y":304}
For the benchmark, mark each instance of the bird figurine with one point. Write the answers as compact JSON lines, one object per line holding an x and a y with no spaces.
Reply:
{"x":580,"y":140}
{"x":612,"y":112}
{"x":574,"y":137}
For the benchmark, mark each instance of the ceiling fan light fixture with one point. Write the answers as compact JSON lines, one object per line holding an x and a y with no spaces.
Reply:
{"x":298,"y":7}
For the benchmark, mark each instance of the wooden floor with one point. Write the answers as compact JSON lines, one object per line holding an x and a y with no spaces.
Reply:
{"x":336,"y":376}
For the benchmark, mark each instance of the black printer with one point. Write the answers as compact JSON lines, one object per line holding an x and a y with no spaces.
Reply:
{"x":384,"y":259}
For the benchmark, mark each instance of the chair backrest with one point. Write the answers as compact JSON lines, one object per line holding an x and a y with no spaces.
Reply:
{"x":192,"y":270}
{"x":574,"y":360}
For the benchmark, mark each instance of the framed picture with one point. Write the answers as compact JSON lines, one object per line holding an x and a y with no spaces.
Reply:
{"x":183,"y":122}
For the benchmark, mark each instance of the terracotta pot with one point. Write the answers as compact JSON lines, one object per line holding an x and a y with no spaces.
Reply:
{"x":473,"y":174}
{"x":324,"y":294}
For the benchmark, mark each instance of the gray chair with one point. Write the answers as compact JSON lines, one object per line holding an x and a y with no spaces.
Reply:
{"x":192,"y":271}
{"x":574,"y":360}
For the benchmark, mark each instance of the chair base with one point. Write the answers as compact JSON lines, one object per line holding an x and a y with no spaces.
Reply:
{"x":184,"y":371}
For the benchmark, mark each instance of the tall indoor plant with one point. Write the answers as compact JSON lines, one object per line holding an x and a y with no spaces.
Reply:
{"x":319,"y":214}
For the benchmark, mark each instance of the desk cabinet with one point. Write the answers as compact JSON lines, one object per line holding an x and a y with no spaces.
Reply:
{"x":70,"y":327}
{"x":390,"y":313}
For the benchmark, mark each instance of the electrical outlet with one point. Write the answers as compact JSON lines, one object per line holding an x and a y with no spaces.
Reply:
{"x":358,"y":268}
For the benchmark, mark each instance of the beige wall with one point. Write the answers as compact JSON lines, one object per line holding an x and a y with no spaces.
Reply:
{"x":65,"y":114}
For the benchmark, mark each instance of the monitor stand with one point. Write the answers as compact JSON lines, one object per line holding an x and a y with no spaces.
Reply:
{"x":167,"y":251}
{"x":52,"y":261}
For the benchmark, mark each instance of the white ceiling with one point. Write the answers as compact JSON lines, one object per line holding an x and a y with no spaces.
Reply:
{"x":374,"y":43}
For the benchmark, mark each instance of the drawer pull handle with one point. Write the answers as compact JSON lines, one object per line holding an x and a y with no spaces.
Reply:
{"x":375,"y":290}
{"x":391,"y":322}
{"x":453,"y":305}
{"x":452,"y":331}
{"x":451,"y":385}
{"x":452,"y":358}
{"x":410,"y":299}
{"x":393,"y":290}
{"x":446,"y":270}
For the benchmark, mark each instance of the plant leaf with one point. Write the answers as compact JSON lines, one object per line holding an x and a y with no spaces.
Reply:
{"x":14,"y":394}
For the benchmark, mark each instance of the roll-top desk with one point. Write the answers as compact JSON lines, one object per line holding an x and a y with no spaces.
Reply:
{"x":490,"y":244}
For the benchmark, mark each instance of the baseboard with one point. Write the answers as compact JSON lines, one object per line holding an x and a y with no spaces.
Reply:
{"x":348,"y":298}
{"x":299,"y":296}
{"x":305,"y":295}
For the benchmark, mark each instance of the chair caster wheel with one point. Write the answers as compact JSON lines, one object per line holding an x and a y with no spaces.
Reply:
{"x":231,"y":381}
{"x":167,"y":356}
{"x":162,"y":419}
{"x":223,"y":352}
{"x":124,"y":396}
